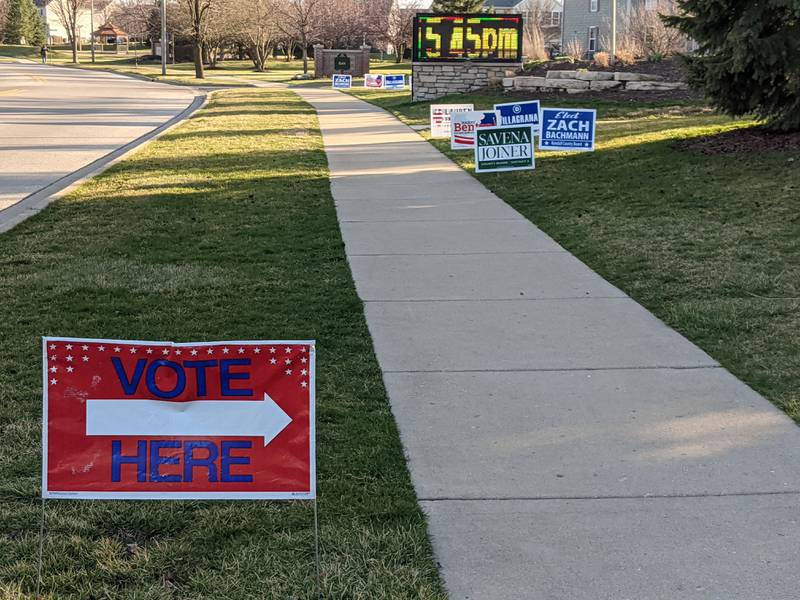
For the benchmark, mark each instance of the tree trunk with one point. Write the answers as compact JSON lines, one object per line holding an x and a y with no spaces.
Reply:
{"x":199,"y":73}
{"x":305,"y":56}
{"x":74,"y":49}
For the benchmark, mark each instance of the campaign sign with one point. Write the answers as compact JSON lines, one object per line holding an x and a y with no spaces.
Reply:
{"x":373,"y":81}
{"x":394,"y":82}
{"x":464,"y":124}
{"x":159,"y":420}
{"x":567,"y":129}
{"x":520,"y":113}
{"x":342,"y":82}
{"x":504,"y":148}
{"x":440,"y":117}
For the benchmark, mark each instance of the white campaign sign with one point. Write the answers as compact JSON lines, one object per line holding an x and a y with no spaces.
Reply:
{"x":440,"y":117}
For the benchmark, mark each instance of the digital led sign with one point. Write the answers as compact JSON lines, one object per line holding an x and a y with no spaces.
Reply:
{"x":478,"y":37}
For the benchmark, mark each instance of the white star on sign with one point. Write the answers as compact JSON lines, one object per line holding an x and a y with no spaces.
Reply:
{"x":53,"y":369}
{"x":133,"y":350}
{"x":52,"y":346}
{"x":149,"y":350}
{"x":69,"y":346}
{"x":225,"y":350}
{"x":272,"y":350}
{"x":178,"y":352}
{"x":116,"y":348}
{"x":304,"y":384}
{"x":53,"y":381}
{"x":101,"y":348}
{"x":85,"y":359}
{"x":288,"y":371}
{"x":304,"y":360}
{"x":288,"y":361}
{"x":287,"y":349}
{"x":210,"y":351}
{"x":85,"y":347}
{"x":303,"y":349}
{"x":70,"y":369}
{"x":257,"y":350}
{"x":304,"y":372}
{"x":241,"y":351}
{"x":194,"y":352}
{"x":165,"y":352}
{"x":69,"y":358}
{"x":53,"y":357}
{"x":272,"y":361}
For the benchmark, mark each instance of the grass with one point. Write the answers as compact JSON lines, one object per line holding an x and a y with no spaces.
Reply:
{"x":222,"y":229}
{"x":710,"y":244}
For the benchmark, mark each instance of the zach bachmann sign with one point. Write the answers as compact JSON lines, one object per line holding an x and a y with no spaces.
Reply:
{"x":506,"y":148}
{"x":567,"y":129}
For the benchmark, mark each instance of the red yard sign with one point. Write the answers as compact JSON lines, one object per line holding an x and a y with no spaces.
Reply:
{"x":158,"y":420}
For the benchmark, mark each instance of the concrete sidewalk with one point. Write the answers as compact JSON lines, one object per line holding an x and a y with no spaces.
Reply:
{"x":564,"y":443}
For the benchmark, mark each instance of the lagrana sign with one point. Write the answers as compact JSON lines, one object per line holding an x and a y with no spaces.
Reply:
{"x":504,"y":148}
{"x":567,"y":129}
{"x":394,"y":82}
{"x":458,"y":37}
{"x":520,"y":113}
{"x":154,"y":420}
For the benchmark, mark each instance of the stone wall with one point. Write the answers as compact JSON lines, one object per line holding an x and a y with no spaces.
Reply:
{"x":575,"y":82}
{"x":324,"y":61}
{"x":434,"y":80}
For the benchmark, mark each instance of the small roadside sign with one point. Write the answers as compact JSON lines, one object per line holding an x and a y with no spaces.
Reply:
{"x":373,"y":81}
{"x":464,"y":124}
{"x":440,"y":117}
{"x":520,"y":113}
{"x":568,"y":129}
{"x":504,"y":148}
{"x":159,"y":420}
{"x":342,"y":82}
{"x":394,"y":82}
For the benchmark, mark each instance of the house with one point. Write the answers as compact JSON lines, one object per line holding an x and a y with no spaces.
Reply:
{"x":549,"y":15}
{"x":586,"y":24}
{"x":56,"y":31}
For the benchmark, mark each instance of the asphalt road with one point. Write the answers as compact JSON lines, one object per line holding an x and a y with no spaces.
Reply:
{"x":55,"y":120}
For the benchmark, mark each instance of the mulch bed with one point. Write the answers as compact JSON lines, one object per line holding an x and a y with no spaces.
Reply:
{"x":740,"y":141}
{"x":671,"y":69}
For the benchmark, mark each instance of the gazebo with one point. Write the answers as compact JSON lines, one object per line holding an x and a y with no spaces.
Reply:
{"x":110,"y":34}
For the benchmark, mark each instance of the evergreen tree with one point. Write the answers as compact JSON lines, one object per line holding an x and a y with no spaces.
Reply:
{"x":457,"y":6}
{"x":23,"y":23}
{"x":749,"y":56}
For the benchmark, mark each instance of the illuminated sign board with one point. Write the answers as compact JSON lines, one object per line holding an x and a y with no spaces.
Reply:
{"x":478,"y":37}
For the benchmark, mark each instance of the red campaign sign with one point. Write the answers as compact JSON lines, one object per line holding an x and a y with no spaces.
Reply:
{"x":159,"y":420}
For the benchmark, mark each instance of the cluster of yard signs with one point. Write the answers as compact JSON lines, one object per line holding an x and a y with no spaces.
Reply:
{"x":371,"y":80}
{"x":503,"y":138}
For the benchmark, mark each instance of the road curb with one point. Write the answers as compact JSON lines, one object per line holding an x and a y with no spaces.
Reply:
{"x":33,"y":203}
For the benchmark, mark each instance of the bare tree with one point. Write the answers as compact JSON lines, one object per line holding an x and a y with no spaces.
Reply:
{"x":537,"y":16}
{"x":300,"y":19}
{"x":256,"y":29}
{"x":199,"y":12}
{"x":647,"y":34}
{"x":400,"y":27}
{"x":68,"y":12}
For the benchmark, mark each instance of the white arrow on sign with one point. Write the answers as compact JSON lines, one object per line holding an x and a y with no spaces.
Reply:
{"x":208,"y":418}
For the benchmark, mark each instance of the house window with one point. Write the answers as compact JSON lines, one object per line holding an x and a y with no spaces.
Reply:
{"x":650,"y":4}
{"x":592,"y":47}
{"x":551,"y":19}
{"x":594,"y":5}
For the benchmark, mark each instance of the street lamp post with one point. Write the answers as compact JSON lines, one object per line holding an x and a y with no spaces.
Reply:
{"x":613,"y":31}
{"x":91,"y":24}
{"x":164,"y":45}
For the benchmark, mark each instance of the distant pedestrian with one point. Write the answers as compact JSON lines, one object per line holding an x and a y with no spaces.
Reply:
{"x":43,"y":52}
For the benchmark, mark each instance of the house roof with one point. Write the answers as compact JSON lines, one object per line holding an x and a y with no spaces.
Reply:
{"x":109,"y":30}
{"x":502,"y":3}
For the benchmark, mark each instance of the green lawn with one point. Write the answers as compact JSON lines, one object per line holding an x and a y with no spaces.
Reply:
{"x":710,"y":244}
{"x":222,"y":229}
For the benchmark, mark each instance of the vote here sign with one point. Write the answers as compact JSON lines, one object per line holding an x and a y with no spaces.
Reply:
{"x":159,"y":420}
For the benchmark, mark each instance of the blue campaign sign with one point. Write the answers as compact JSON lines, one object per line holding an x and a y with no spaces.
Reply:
{"x":394,"y":82}
{"x":520,"y":113}
{"x":342,"y":82}
{"x":567,"y":129}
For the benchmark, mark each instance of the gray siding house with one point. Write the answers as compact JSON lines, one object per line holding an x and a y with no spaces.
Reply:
{"x":587,"y":23}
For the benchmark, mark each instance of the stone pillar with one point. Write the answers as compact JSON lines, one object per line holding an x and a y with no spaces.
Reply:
{"x":318,"y":61}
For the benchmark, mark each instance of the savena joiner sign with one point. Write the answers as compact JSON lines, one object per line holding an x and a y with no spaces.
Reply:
{"x":504,"y":148}
{"x":155,"y":420}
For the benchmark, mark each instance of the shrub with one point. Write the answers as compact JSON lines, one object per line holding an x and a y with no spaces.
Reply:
{"x":602,"y":59}
{"x":626,"y":56}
